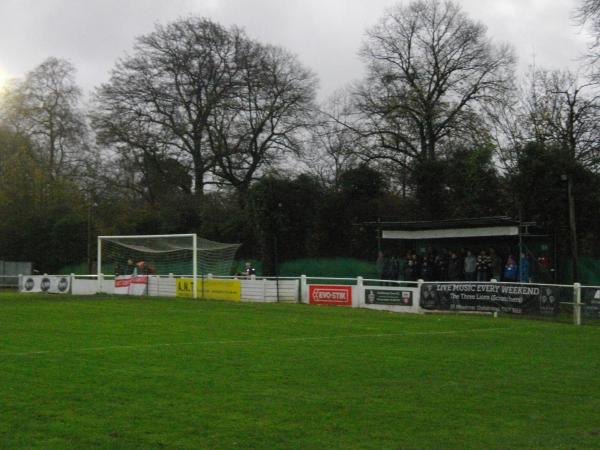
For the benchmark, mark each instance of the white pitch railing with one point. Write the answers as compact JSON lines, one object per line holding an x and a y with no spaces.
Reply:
{"x":253,"y":289}
{"x":9,"y":282}
{"x":390,"y":295}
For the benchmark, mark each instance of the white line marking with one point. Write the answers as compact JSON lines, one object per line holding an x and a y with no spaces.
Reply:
{"x":246,"y":341}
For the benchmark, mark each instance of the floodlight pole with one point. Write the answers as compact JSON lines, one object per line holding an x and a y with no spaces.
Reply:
{"x":520,"y":257}
{"x":572,"y":225}
{"x":195,"y":266}
{"x":89,"y":239}
{"x":378,"y":235}
{"x":573,"y":228}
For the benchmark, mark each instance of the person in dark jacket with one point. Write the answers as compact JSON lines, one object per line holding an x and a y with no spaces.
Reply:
{"x":524,"y":269}
{"x":495,"y":265}
{"x":510,"y":269}
{"x":483,"y":267}
{"x":454,"y":265}
{"x":441,"y":266}
{"x":427,"y":267}
{"x":412,"y":268}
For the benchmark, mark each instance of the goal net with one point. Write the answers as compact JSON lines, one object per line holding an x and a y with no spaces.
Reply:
{"x":177,"y":254}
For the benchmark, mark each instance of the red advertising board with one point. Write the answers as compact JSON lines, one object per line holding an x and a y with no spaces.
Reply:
{"x":330,"y":295}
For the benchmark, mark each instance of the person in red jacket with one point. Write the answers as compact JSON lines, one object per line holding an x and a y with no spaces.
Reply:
{"x":143,"y":268}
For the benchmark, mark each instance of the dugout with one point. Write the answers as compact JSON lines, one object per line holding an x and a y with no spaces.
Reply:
{"x":507,"y":236}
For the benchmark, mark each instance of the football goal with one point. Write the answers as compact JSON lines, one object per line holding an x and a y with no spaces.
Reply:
{"x":177,"y":254}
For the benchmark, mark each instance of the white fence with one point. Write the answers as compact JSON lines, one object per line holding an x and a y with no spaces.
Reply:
{"x":324,"y":291}
{"x":410,"y":297}
{"x":270,"y":290}
{"x":10,"y":270}
{"x":266,"y":290}
{"x":9,"y":282}
{"x":361,"y":293}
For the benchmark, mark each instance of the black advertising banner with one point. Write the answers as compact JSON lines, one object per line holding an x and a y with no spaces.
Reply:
{"x":590,"y":297}
{"x":494,"y":297}
{"x":388,"y":297}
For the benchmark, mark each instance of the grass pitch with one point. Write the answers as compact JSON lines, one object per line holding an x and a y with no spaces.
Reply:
{"x":169,"y":373}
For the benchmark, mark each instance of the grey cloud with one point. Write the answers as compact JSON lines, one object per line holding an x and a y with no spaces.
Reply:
{"x":326,"y":34}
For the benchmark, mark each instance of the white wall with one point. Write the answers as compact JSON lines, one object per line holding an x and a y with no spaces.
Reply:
{"x":268,"y":291}
{"x":161,"y":286}
{"x":258,"y":290}
{"x":85,"y":286}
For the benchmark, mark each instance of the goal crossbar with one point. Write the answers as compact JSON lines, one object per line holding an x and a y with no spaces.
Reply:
{"x":149,"y":236}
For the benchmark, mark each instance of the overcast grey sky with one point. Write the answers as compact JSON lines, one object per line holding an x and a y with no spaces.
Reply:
{"x":325,"y":34}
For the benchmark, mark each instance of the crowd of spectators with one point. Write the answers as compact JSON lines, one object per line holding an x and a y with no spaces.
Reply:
{"x":451,"y":265}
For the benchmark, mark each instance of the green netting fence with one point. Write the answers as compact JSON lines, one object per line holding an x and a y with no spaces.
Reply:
{"x":316,"y":267}
{"x":589,"y":269}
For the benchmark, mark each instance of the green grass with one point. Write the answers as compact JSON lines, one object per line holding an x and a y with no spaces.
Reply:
{"x":180,"y":374}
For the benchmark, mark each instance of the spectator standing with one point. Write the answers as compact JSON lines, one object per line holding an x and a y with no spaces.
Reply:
{"x":437,"y":268}
{"x":410,"y":269}
{"x":483,"y":267}
{"x":401,"y":268}
{"x":441,"y":267}
{"x":453,"y":267}
{"x":496,"y":265}
{"x":249,"y":270}
{"x":427,"y":267}
{"x":470,"y":266}
{"x":544,"y":262}
{"x":379,"y":265}
{"x":131,"y":268}
{"x":544,"y":270}
{"x":510,"y":269}
{"x":395,"y":268}
{"x":417,"y":265}
{"x":389,"y":269}
{"x":524,"y":269}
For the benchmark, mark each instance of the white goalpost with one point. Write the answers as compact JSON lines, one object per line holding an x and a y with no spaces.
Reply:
{"x":164,"y":254}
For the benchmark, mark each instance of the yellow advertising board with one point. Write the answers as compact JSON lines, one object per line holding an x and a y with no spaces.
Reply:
{"x":184,"y":287}
{"x":210,"y":289}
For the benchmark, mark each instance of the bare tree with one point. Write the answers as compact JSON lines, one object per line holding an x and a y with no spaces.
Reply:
{"x":567,"y":113}
{"x":588,"y":12}
{"x":206,"y":97}
{"x":556,"y":108}
{"x":334,"y":145}
{"x":159,"y":101}
{"x":431,"y":70}
{"x":45,"y":107}
{"x":261,"y":123}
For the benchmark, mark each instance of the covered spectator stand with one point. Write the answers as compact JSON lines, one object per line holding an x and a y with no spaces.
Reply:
{"x":505,"y":235}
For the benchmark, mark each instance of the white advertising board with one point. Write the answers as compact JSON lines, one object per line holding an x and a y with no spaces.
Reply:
{"x":54,"y":284}
{"x":131,"y":285}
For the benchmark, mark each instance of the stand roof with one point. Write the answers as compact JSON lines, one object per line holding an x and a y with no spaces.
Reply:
{"x":449,"y":229}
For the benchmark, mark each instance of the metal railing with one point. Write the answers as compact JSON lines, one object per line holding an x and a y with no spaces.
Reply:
{"x":580,"y":302}
{"x":9,"y":282}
